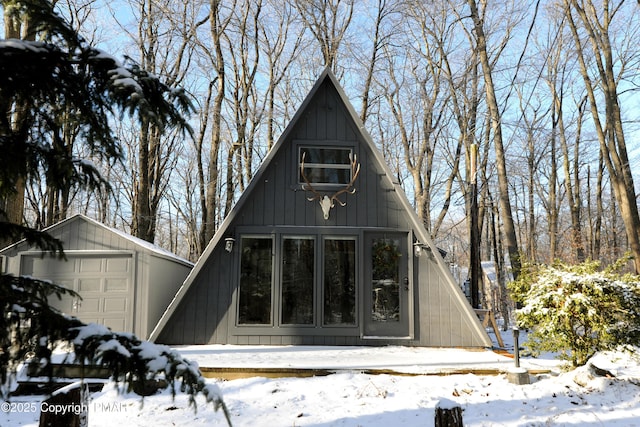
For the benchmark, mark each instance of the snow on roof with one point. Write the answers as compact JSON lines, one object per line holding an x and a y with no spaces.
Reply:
{"x":155,"y":249}
{"x":136,"y":240}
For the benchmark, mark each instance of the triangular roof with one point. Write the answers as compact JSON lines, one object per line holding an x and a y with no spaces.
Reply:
{"x":420,"y":230}
{"x":142,"y":244}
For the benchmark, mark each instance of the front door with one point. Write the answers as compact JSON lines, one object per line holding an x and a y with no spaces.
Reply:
{"x":386,"y":286}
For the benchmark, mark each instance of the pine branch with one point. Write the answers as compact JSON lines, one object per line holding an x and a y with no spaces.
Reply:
{"x":31,"y":326}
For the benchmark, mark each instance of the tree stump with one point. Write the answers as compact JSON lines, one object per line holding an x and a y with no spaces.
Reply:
{"x":68,"y":406}
{"x":448,"y":414}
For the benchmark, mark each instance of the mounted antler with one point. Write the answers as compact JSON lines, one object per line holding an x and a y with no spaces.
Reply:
{"x":326,"y":202}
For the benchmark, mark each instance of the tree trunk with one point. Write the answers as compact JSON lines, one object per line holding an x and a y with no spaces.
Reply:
{"x":448,"y":417}
{"x":373,"y":60}
{"x":142,"y":215}
{"x":510,"y":236}
{"x":216,"y":32}
{"x":596,"y":231}
{"x":572,"y":185}
{"x":12,"y":204}
{"x":76,"y":404}
{"x":553,"y":208}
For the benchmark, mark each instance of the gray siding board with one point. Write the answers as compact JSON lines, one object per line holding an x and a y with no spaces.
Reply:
{"x":85,"y":235}
{"x":202,"y":306}
{"x":252,"y":211}
{"x":372,"y":195}
{"x":320,"y":123}
{"x":272,"y":199}
{"x":299,"y":207}
{"x":310,"y":125}
{"x":210,"y":323}
{"x":175,"y":331}
{"x":210,"y":315}
{"x":311,"y":210}
{"x":340,"y":117}
{"x":188,"y":318}
{"x":226,"y":312}
{"x":280,"y":197}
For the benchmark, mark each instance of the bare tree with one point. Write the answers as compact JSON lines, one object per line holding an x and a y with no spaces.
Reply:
{"x":281,"y":41}
{"x":163,"y":38}
{"x":596,"y":213}
{"x":591,"y":26}
{"x":328,"y":21}
{"x":535,"y":151}
{"x":572,"y":181}
{"x":244,"y":54}
{"x":381,"y":37}
{"x":415,"y":84}
{"x":197,"y":225}
{"x":554,"y":76}
{"x":511,"y":239}
{"x":219,"y":17}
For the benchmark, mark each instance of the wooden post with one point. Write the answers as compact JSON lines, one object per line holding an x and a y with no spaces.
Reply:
{"x":448,"y":414}
{"x":68,"y":406}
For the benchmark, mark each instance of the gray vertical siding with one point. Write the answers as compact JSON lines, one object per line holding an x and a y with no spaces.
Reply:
{"x":276,"y":201}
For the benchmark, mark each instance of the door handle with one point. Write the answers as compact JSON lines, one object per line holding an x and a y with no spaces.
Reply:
{"x":406,"y":283}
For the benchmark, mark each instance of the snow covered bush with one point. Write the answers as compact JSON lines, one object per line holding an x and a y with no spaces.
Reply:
{"x":578,"y":310}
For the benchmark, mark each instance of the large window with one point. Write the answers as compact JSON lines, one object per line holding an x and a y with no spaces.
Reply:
{"x":339,"y":282}
{"x":325,"y":166}
{"x":289,"y":280}
{"x":298,"y":260}
{"x":256,"y":277}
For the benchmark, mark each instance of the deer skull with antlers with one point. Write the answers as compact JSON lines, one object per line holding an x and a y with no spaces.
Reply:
{"x":326,"y":201}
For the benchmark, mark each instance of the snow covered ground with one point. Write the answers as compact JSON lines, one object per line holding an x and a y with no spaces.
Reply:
{"x":352,"y":398}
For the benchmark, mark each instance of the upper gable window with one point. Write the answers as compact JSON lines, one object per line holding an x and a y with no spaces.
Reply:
{"x":325,"y":165}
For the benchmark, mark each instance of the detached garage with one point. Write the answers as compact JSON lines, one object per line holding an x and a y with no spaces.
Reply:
{"x":126,"y":283}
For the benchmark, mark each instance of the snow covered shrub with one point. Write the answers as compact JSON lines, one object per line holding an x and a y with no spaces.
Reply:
{"x":577,"y":310}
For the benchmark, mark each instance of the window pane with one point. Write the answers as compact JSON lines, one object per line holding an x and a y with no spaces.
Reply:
{"x":385,"y":256}
{"x":326,"y":175}
{"x":297,"y":280}
{"x":325,"y":165}
{"x":333,"y":156}
{"x":255,"y":281}
{"x":339,"y":282}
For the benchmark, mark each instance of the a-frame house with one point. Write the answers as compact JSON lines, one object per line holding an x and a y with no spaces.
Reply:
{"x":283,"y":270}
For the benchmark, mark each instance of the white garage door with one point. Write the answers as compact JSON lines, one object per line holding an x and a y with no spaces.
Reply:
{"x":105,"y":283}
